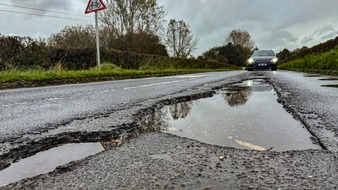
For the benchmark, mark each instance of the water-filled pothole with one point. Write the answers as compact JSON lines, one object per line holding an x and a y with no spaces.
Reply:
{"x":241,"y":116}
{"x":47,"y":161}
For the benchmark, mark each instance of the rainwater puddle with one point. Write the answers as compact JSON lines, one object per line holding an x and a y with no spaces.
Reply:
{"x":241,"y":116}
{"x":47,"y":161}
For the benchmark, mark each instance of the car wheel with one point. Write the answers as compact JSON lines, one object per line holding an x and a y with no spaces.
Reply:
{"x":250,"y":69}
{"x":274,"y":69}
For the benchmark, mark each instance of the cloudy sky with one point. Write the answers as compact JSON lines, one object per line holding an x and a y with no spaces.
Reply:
{"x":272,"y":24}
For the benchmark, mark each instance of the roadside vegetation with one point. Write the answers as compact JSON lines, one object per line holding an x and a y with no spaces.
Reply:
{"x":321,"y":58}
{"x":107,"y":70}
{"x":326,"y":63}
{"x":135,"y":41}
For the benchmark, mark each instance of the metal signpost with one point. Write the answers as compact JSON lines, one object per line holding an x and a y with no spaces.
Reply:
{"x":94,"y":6}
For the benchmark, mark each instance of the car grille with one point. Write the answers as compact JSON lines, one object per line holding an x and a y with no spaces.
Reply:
{"x":263,"y":60}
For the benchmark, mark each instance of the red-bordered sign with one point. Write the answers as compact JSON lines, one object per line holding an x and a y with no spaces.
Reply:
{"x":95,"y":5}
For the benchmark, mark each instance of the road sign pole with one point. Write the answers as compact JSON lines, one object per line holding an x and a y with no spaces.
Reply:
{"x":97,"y":42}
{"x":94,"y":6}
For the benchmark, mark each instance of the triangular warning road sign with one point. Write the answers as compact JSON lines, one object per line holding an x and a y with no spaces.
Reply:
{"x":94,"y":5}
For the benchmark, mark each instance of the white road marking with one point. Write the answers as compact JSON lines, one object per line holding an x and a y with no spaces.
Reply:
{"x":189,"y":76}
{"x":132,"y":87}
{"x":153,"y":84}
{"x":168,"y":82}
{"x":160,"y":83}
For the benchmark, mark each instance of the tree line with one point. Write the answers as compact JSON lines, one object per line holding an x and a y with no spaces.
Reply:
{"x":127,"y":25}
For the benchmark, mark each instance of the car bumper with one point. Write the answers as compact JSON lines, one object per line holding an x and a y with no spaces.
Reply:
{"x":271,"y":66}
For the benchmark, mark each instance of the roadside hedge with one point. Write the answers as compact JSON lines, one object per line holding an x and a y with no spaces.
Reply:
{"x":320,"y":48}
{"x":27,"y":53}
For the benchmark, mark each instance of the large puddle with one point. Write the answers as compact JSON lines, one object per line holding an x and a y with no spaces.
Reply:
{"x":245,"y":115}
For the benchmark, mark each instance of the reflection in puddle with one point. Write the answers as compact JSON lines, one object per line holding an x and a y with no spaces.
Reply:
{"x":238,"y":95}
{"x":247,"y":112}
{"x":47,"y":161}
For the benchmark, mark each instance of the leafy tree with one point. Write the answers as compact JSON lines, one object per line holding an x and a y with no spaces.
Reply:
{"x":241,"y":38}
{"x":179,"y":39}
{"x":230,"y":53}
{"x":133,"y":25}
{"x":297,"y":50}
{"x":140,"y":43}
{"x":73,"y":37}
{"x":10,"y":46}
{"x":35,"y":54}
{"x":285,"y":53}
{"x":214,"y":55}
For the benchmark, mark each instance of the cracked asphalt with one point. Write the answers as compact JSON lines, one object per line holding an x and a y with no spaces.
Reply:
{"x":163,"y":161}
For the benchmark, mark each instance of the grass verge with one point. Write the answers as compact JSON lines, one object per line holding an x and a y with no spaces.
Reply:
{"x":321,"y":63}
{"x":31,"y":78}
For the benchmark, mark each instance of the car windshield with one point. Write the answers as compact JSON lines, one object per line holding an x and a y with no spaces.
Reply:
{"x":263,"y":53}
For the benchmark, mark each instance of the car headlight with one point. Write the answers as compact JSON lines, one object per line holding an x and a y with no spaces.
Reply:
{"x":250,"y":60}
{"x":274,"y":60}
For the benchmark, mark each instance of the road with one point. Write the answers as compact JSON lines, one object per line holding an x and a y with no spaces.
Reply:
{"x":28,"y":110}
{"x":41,"y":114}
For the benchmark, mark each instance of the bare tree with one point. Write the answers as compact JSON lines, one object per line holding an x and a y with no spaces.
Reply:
{"x":133,"y":16}
{"x":241,"y":38}
{"x":179,"y":39}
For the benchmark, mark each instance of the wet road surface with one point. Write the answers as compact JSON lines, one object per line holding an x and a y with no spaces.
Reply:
{"x":246,"y":111}
{"x":163,"y":161}
{"x":29,"y":110}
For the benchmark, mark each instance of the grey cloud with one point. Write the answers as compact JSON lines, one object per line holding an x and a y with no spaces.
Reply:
{"x":324,"y":33}
{"x":43,"y":4}
{"x":271,"y":23}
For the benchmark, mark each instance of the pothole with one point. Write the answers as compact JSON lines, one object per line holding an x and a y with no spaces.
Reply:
{"x":245,"y":115}
{"x":47,"y":161}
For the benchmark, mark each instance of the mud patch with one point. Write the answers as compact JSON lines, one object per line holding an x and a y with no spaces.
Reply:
{"x":247,"y":112}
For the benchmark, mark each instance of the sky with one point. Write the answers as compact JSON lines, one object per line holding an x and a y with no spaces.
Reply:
{"x":272,"y":24}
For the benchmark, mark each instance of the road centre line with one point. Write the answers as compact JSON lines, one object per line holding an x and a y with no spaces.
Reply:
{"x":127,"y":88}
{"x":160,"y":83}
{"x":189,"y":76}
{"x":154,"y":84}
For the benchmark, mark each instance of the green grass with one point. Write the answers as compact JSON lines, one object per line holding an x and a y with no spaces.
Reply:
{"x":324,"y":63}
{"x":107,"y":70}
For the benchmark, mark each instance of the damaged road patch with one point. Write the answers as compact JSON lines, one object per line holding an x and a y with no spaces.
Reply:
{"x":246,"y":111}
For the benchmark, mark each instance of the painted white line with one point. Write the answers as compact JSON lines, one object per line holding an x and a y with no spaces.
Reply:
{"x":189,"y":76}
{"x":157,"y":84}
{"x":132,"y":87}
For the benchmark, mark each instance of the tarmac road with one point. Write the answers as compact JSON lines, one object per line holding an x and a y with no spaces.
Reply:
{"x":163,"y":161}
